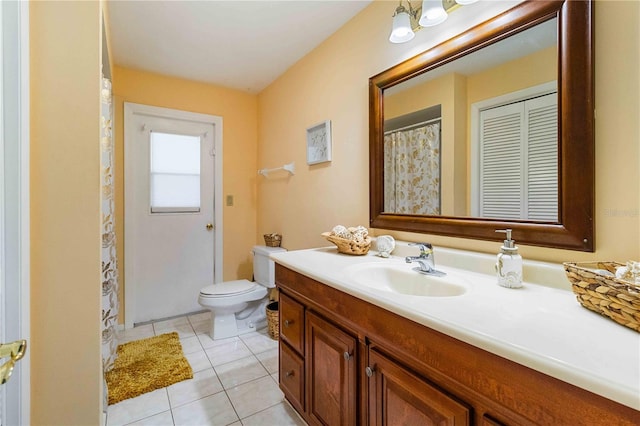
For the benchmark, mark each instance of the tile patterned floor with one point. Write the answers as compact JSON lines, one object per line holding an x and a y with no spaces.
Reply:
{"x":234,"y":381}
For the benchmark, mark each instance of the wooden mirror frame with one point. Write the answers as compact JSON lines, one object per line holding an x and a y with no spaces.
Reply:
{"x":576,"y":154}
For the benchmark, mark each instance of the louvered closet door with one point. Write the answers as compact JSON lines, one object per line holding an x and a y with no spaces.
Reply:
{"x":518,"y":160}
{"x":501,"y":166}
{"x":542,"y":158}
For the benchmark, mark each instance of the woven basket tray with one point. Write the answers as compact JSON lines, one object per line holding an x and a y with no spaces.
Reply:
{"x":609,"y":296}
{"x":349,"y":246}
{"x":272,"y":240}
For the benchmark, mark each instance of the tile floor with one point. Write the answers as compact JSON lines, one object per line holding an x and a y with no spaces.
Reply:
{"x":235,"y":381}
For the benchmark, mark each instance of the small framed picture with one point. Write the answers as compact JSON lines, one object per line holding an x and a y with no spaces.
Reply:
{"x":319,"y":143}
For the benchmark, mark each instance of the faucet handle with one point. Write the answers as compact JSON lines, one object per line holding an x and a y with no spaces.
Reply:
{"x":425,"y":248}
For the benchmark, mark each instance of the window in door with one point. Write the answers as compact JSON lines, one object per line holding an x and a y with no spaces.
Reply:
{"x":518,"y":161}
{"x":174,"y":173}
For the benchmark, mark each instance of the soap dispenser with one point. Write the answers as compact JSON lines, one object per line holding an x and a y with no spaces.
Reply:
{"x":509,"y":263}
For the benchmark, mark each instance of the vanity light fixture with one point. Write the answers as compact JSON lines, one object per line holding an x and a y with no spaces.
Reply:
{"x":408,"y":20}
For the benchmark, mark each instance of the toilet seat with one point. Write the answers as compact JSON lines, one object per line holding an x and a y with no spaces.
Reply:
{"x":228,"y":288}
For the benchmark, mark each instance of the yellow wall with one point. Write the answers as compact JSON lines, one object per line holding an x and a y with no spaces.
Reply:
{"x":331,"y":83}
{"x":66,"y":367}
{"x":239,"y":114}
{"x":531,"y":70}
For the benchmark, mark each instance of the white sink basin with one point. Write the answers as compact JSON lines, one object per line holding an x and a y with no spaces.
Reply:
{"x":402,"y":279}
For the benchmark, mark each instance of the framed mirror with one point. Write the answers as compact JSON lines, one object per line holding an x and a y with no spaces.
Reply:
{"x":491,"y":129}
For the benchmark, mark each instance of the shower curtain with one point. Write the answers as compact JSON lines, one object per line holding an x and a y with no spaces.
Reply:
{"x":109,"y":261}
{"x":412,"y":170}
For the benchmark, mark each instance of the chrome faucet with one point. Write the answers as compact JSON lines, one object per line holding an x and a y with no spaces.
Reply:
{"x":425,"y":260}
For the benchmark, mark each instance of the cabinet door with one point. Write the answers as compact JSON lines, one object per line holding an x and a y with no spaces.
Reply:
{"x":331,"y":373}
{"x":399,"y":397}
{"x":292,"y":322}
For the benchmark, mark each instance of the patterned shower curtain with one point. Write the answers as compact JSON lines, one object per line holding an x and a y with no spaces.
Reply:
{"x":109,"y":261}
{"x":412,"y":171}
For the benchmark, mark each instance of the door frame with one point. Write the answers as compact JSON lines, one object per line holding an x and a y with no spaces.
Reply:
{"x":15,"y":203}
{"x":131,"y":109}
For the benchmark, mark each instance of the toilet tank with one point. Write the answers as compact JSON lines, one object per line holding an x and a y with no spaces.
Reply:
{"x":264,"y":269}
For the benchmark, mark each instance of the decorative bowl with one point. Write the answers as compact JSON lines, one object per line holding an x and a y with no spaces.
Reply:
{"x":348,"y":246}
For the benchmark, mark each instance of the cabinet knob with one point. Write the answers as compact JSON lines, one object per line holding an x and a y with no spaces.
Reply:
{"x":288,"y":323}
{"x":369,"y":371}
{"x":347,"y":356}
{"x":289,"y":374}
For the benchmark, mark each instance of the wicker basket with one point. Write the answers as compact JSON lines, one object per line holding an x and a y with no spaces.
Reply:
{"x":272,"y":240}
{"x":349,"y":246}
{"x":272,"y":320}
{"x":609,"y":296}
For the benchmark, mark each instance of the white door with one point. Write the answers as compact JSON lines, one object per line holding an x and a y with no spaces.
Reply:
{"x":14,"y":212}
{"x":519,"y":160}
{"x":170,"y":224}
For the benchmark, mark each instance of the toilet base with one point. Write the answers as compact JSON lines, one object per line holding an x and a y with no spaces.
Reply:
{"x":251,"y":318}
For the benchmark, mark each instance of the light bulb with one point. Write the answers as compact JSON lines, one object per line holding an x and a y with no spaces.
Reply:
{"x":401,"y":31}
{"x":465,"y":2}
{"x":433,"y":13}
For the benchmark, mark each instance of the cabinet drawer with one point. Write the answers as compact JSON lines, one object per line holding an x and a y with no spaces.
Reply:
{"x":291,"y":376}
{"x":292,"y":322}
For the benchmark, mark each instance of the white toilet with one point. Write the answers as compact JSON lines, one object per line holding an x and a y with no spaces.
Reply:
{"x":238,"y":307}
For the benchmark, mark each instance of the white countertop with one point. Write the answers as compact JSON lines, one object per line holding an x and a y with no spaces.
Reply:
{"x":539,"y":326}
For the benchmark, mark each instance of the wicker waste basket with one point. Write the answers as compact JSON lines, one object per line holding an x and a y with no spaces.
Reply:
{"x":272,"y":320}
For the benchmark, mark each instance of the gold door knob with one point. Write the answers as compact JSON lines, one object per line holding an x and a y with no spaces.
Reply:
{"x":15,"y":351}
{"x":209,"y":226}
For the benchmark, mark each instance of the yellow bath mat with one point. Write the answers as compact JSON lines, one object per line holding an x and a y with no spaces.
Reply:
{"x":146,"y":365}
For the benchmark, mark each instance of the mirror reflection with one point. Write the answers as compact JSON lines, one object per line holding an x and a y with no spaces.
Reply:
{"x":478,"y":137}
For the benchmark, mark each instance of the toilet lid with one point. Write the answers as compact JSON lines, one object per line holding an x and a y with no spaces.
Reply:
{"x":228,"y":288}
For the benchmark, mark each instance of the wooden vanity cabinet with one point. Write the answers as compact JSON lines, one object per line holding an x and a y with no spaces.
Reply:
{"x":354,"y":363}
{"x":319,"y":362}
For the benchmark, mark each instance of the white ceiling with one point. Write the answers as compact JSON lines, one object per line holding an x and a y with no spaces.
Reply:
{"x":239,"y":44}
